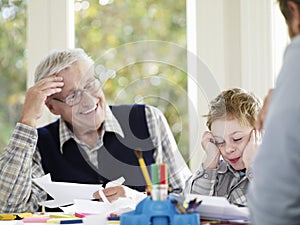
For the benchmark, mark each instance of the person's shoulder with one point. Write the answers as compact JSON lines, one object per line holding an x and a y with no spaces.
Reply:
{"x":295,"y":41}
{"x":126,"y":106}
{"x":150,"y":109}
{"x":293,"y":47}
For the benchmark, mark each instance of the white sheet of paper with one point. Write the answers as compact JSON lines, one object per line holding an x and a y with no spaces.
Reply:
{"x":64,"y":193}
{"x":55,"y":203}
{"x":119,"y":206}
{"x":213,"y":207}
{"x":11,"y":222}
{"x":116,"y":182}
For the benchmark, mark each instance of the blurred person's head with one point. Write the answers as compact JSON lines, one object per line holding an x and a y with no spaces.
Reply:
{"x":290,"y":10}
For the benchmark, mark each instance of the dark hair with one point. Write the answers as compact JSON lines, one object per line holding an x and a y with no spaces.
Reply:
{"x":283,"y":5}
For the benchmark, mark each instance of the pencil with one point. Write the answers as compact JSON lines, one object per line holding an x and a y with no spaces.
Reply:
{"x":143,"y":167}
{"x":179,"y":206}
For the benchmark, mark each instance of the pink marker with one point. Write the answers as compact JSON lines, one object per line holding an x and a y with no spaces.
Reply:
{"x":35,"y":219}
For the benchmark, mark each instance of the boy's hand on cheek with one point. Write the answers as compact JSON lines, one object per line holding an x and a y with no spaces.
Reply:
{"x":211,"y":150}
{"x":251,"y":148}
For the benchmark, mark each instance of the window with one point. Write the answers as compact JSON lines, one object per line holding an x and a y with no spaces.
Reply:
{"x":13,"y":65}
{"x":144,"y":42}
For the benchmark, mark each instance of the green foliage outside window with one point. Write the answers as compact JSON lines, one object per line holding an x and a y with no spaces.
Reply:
{"x":12,"y":64}
{"x":106,"y":29}
{"x":119,"y":33}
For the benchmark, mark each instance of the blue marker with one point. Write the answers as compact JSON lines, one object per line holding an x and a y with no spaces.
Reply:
{"x":116,"y":218}
{"x":70,"y":221}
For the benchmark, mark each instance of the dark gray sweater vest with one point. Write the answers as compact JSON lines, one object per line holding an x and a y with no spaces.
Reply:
{"x":116,"y":158}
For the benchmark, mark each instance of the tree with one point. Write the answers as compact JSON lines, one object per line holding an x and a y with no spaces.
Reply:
{"x":143,"y":41}
{"x":13,"y":65}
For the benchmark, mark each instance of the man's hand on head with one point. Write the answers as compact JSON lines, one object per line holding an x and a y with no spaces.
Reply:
{"x":36,"y":97}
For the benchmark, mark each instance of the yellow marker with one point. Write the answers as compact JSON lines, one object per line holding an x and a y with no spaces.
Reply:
{"x":113,"y":222}
{"x":24,"y":215}
{"x":62,"y":216}
{"x":14,"y":216}
{"x":8,"y":216}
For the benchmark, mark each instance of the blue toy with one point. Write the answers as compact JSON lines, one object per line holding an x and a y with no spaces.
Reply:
{"x":150,"y":212}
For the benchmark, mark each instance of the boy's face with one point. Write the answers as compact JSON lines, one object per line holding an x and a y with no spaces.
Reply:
{"x":231,"y":138}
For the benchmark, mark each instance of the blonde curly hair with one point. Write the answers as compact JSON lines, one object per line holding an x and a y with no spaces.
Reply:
{"x":234,"y":103}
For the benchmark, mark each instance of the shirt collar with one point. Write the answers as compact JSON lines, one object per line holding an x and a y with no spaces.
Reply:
{"x":295,"y":39}
{"x":224,"y":167}
{"x":110,"y":124}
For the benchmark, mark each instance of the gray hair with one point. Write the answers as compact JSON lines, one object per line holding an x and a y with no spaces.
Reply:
{"x":57,"y":60}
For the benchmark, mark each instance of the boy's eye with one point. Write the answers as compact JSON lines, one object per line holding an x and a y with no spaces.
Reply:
{"x":237,"y":139}
{"x":88,"y":86}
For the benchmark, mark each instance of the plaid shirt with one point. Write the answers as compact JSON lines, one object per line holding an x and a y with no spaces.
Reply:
{"x":222,"y":181}
{"x":21,"y":161}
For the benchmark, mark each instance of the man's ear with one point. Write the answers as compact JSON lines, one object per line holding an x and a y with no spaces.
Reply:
{"x":50,"y":106}
{"x":294,"y":21}
{"x":293,"y":7}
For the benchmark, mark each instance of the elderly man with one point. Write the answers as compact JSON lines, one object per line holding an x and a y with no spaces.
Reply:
{"x":90,"y":142}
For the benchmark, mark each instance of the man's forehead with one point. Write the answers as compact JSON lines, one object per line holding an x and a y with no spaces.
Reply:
{"x":77,"y":76}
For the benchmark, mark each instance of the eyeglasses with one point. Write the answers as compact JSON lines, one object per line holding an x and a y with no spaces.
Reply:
{"x":73,"y":99}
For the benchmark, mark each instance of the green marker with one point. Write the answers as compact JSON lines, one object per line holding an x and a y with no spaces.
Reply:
{"x":154,"y":174}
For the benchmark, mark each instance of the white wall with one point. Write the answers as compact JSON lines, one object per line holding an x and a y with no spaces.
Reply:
{"x":50,"y":25}
{"x":232,"y":43}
